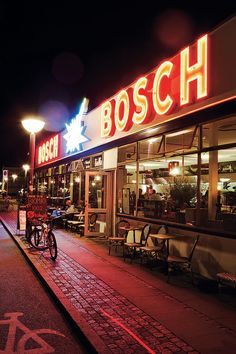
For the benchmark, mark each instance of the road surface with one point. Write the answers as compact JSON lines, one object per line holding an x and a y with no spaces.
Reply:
{"x":28,"y":317}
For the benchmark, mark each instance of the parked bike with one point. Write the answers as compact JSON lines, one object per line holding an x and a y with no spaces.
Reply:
{"x":42,"y":237}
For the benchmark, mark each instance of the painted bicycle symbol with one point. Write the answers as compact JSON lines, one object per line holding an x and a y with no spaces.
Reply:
{"x":20,"y":348}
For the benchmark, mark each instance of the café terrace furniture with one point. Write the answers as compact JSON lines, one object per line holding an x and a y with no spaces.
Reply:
{"x":77,"y":220}
{"x":67,"y":217}
{"x":132,"y":249}
{"x":132,"y":229}
{"x":163,"y":238}
{"x":58,"y":216}
{"x":92,"y":219}
{"x":120,"y":237}
{"x":156,"y":251}
{"x":184,"y":263}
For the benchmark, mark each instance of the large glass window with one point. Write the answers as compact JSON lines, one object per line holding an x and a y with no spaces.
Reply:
{"x":127,"y":153}
{"x":218,"y":189}
{"x":127,"y":179}
{"x":182,"y":141}
{"x":78,"y":188}
{"x":167,"y":187}
{"x":219,"y":132}
{"x":151,"y":148}
{"x":126,"y":188}
{"x":96,"y":191}
{"x":179,"y":178}
{"x":42,"y":187}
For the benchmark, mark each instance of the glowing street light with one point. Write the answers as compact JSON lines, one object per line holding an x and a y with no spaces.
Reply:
{"x":14,"y":177}
{"x":32,"y":125}
{"x":26,"y":168}
{"x":5,"y":180}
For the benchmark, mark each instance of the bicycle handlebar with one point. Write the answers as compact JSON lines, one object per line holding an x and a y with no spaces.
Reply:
{"x":47,"y":220}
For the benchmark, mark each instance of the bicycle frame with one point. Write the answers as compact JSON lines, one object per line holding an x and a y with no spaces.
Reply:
{"x":44,"y":238}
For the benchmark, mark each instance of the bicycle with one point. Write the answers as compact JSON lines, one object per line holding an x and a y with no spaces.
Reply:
{"x":43,"y":238}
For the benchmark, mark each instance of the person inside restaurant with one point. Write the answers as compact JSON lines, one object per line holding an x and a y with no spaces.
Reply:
{"x":70,"y":208}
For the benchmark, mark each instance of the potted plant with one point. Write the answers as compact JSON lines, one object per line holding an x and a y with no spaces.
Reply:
{"x":182,"y":192}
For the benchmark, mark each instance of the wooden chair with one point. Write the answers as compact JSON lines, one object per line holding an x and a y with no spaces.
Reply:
{"x":66,"y":218}
{"x":74,"y":224}
{"x":157,"y":251}
{"x":133,"y":248}
{"x":182,"y":262}
{"x":92,"y":219}
{"x":120,"y":237}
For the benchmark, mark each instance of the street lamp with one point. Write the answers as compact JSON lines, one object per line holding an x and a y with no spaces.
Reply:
{"x":14,"y":177}
{"x":32,"y":125}
{"x":5,"y":185}
{"x":26,"y":168}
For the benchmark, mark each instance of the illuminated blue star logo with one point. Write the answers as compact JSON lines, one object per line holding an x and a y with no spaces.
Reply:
{"x":75,"y":137}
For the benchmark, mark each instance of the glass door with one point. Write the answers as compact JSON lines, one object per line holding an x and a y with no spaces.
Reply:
{"x":98,"y":203}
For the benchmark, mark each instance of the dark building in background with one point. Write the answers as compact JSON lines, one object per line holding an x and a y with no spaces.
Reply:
{"x":14,"y":179}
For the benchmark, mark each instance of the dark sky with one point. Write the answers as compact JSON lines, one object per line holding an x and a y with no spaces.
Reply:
{"x":53,"y":54}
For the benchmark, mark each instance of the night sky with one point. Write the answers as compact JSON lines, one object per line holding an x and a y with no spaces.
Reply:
{"x":54,"y":54}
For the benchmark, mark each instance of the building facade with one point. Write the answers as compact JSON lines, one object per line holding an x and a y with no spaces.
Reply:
{"x":162,"y":150}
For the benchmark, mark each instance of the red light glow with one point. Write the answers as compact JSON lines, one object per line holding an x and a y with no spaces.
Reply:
{"x":149,"y":350}
{"x":177,"y":82}
{"x":48,"y":150}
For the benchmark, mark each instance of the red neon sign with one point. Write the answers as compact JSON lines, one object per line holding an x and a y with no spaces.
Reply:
{"x":175,"y":83}
{"x":48,"y":151}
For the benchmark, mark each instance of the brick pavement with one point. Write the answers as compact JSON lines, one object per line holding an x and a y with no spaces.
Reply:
{"x":110,"y":313}
{"x":111,"y":321}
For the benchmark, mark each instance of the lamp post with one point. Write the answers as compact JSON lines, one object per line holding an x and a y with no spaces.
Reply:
{"x":5,"y":186}
{"x":32,"y":125}
{"x":26,"y":168}
{"x":14,"y":177}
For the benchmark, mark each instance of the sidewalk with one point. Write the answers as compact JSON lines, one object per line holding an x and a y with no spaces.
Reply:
{"x":127,"y":308}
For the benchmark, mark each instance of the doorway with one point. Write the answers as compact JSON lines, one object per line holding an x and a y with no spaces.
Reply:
{"x":98,"y":203}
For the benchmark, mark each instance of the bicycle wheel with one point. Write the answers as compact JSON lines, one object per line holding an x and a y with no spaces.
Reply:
{"x":28,"y":232}
{"x":52,"y":243}
{"x":32,"y":235}
{"x":36,"y":239}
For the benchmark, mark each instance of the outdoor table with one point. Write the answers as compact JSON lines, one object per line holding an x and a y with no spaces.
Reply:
{"x":79,"y":214}
{"x":51,"y":209}
{"x":79,"y":217}
{"x":164,"y":237}
{"x":62,"y":212}
{"x":70,"y":214}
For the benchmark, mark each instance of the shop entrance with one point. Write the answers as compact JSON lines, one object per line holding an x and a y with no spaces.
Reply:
{"x":98,"y":203}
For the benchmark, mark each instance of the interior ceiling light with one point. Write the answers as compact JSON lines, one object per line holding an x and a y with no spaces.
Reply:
{"x":152,"y":140}
{"x":182,"y":132}
{"x":173,"y":168}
